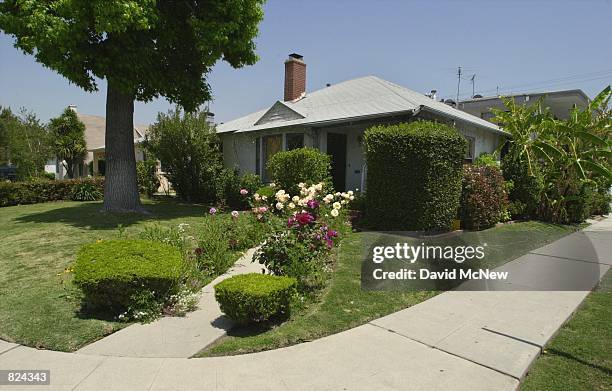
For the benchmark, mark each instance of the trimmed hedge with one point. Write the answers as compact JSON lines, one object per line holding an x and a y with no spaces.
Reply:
{"x":112,"y":272}
{"x":414,"y":176}
{"x":483,"y":197}
{"x":33,"y":192}
{"x":308,"y":165}
{"x":252,"y":298}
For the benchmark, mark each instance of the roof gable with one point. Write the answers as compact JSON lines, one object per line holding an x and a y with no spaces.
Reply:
{"x":279,"y":112}
{"x":357,"y":98}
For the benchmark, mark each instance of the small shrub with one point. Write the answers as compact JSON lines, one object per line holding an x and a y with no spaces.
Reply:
{"x":600,"y":204}
{"x":49,"y":175}
{"x":307,"y":165}
{"x":483,"y":197}
{"x":148,"y":182}
{"x":126,"y":275}
{"x":213,"y":253}
{"x":414,"y":176}
{"x":231,"y":186}
{"x":255,"y":298}
{"x":86,"y":191}
{"x":527,"y":186}
{"x":486,"y":160}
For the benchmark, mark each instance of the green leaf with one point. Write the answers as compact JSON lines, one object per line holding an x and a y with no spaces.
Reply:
{"x":596,"y":167}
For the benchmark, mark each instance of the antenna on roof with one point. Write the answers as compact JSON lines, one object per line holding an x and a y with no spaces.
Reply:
{"x":473,"y":80}
{"x":458,"y":82}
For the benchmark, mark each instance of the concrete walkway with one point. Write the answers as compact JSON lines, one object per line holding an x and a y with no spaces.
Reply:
{"x":458,"y":340}
{"x":175,"y":336}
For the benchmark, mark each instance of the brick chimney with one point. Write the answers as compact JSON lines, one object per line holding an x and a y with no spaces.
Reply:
{"x":295,"y":77}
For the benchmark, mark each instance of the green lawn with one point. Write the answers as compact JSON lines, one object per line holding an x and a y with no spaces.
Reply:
{"x":38,"y":242}
{"x":580,"y":356}
{"x":344,"y":304}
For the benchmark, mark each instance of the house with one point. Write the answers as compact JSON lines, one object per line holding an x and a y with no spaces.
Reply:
{"x":333,"y":120}
{"x":95,"y":130}
{"x":559,"y":102}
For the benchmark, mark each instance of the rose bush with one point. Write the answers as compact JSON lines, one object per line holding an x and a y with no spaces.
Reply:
{"x":301,"y":249}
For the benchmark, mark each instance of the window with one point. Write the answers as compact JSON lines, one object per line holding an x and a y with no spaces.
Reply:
{"x":258,"y":155}
{"x":294,"y":141}
{"x":271,"y":145}
{"x":471,"y":146}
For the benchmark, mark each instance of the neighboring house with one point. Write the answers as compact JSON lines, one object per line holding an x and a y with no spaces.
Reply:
{"x":559,"y":102}
{"x":95,"y":129}
{"x":333,"y":120}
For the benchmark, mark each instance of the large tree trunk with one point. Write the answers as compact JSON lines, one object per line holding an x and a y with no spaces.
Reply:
{"x":120,"y":184}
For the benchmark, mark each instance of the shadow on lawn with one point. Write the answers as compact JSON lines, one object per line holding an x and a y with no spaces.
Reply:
{"x":568,"y":356}
{"x":88,"y":214}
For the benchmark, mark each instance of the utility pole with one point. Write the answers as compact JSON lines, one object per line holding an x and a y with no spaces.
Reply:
{"x":473,"y":80}
{"x":458,"y":85}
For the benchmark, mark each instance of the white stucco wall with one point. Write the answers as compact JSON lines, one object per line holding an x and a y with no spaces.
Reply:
{"x":239,"y":148}
{"x":485,"y":141}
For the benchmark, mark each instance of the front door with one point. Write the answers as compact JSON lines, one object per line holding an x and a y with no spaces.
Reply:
{"x":336,"y":148}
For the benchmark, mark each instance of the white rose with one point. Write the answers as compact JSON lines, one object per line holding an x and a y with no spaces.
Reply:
{"x":264,"y":198}
{"x":337,"y":205}
{"x":291,"y":205}
{"x":295,"y":199}
{"x":334,"y":212}
{"x":279,"y":205}
{"x":351,"y":198}
{"x":350,"y":192}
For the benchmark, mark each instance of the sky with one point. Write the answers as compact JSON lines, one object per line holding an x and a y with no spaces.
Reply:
{"x":513,"y":46}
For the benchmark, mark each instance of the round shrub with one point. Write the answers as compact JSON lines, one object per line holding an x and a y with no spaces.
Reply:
{"x":483,"y":197}
{"x":252,"y":298}
{"x":111,"y":273}
{"x":414,"y":176}
{"x":308,"y":165}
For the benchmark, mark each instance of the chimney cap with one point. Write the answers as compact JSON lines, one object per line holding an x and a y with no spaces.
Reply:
{"x":296,"y":56}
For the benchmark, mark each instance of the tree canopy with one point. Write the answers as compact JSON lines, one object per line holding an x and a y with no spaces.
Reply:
{"x":67,"y":134}
{"x":147,"y":48}
{"x":24,"y":142}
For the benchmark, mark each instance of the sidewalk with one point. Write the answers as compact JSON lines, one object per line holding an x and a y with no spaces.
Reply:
{"x":175,"y":336}
{"x":458,"y":340}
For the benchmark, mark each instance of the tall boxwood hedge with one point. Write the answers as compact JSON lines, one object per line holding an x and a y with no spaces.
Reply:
{"x":414,"y":175}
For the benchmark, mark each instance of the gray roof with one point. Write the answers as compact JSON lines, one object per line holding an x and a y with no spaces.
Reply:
{"x":95,"y":130}
{"x":363,"y":97}
{"x":577,"y":92}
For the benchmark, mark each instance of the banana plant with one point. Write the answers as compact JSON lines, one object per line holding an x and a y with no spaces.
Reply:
{"x":526,"y":125}
{"x":581,"y":146}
